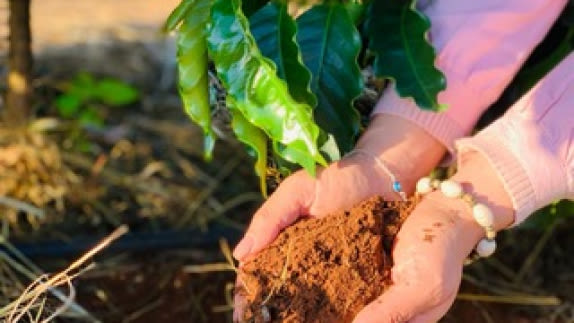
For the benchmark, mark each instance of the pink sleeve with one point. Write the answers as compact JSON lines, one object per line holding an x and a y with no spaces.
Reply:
{"x":480,"y":45}
{"x":532,"y":146}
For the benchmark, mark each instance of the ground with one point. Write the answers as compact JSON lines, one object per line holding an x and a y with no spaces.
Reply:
{"x":144,"y":169}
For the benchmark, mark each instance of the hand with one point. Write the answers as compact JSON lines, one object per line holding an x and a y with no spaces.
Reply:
{"x":407,"y":150}
{"x":339,"y":186}
{"x":428,"y":257}
{"x":343,"y":184}
{"x":431,"y":246}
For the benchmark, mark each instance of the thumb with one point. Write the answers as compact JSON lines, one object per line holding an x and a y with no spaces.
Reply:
{"x":292,"y":199}
{"x":436,"y":313}
{"x":408,"y":303}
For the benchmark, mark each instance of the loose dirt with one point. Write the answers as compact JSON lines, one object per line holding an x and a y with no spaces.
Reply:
{"x":324,"y":270}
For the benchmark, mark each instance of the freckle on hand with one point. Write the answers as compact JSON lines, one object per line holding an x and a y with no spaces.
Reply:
{"x":437,"y":224}
{"x":428,"y":237}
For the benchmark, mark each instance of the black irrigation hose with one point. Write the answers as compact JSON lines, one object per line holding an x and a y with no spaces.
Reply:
{"x":132,"y":242}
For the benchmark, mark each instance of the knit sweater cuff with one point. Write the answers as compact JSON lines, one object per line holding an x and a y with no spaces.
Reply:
{"x":438,"y":125}
{"x":508,"y":167}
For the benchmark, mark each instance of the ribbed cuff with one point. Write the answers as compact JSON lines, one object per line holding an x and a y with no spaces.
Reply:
{"x":438,"y":125}
{"x":514,"y":177}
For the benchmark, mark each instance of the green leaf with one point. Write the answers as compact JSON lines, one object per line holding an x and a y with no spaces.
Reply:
{"x":115,"y":93}
{"x":192,"y":64}
{"x":254,"y":138}
{"x":356,"y":11}
{"x":177,"y":15}
{"x":252,"y":82}
{"x":82,"y":86}
{"x":250,"y":7}
{"x":274,"y":31}
{"x":547,"y":216}
{"x":68,"y":105}
{"x":330,"y":44}
{"x":90,"y":116}
{"x":398,"y":36}
{"x":567,"y":16}
{"x":329,"y":148}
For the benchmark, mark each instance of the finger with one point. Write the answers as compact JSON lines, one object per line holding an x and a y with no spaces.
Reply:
{"x":239,"y":307}
{"x":292,"y":199}
{"x":396,"y":305}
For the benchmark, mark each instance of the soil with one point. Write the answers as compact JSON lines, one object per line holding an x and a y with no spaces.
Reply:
{"x":324,"y":270}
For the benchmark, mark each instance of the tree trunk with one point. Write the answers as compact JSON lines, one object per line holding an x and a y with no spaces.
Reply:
{"x":18,"y":97}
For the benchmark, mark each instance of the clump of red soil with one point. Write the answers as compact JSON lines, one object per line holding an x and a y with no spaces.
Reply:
{"x":324,"y":270}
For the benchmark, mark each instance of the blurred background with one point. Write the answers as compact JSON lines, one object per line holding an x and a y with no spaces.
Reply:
{"x":109,"y":144}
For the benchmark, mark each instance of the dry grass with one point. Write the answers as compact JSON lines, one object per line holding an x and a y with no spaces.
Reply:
{"x":31,"y":304}
{"x":32,"y":175}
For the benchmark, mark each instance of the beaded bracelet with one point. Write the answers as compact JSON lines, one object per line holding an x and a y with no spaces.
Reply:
{"x":395,"y":184}
{"x":480,"y":212}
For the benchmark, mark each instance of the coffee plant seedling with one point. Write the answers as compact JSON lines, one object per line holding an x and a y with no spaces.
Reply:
{"x":291,"y":81}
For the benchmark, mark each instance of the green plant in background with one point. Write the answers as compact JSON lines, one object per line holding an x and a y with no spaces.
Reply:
{"x":291,"y":81}
{"x":82,"y":95}
{"x":547,"y":217}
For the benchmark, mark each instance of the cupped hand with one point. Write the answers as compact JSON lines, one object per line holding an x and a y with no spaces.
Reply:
{"x":432,"y":244}
{"x":428,"y":257}
{"x":339,"y":186}
{"x":407,"y":149}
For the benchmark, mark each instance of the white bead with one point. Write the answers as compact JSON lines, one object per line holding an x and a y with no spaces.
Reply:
{"x":483,"y":215}
{"x":451,"y":189}
{"x":424,"y":185}
{"x":485,"y":247}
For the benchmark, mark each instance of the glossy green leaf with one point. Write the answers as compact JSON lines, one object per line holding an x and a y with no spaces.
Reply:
{"x":274,"y":31}
{"x":330,"y":44}
{"x":252,"y":82}
{"x":398,"y":36}
{"x":356,"y":11}
{"x":177,"y":15}
{"x":255,"y":138}
{"x":192,"y":64}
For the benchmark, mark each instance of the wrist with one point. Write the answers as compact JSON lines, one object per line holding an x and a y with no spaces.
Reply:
{"x":404,"y":147}
{"x":479,"y":179}
{"x":460,"y":227}
{"x":467,"y":212}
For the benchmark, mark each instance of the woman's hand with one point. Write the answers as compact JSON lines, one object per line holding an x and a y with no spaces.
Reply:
{"x":336,"y":187}
{"x":428,"y":257}
{"x":406,"y":149}
{"x":431,"y":246}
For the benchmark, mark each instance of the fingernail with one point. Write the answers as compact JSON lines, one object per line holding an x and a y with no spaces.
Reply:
{"x":243,"y":248}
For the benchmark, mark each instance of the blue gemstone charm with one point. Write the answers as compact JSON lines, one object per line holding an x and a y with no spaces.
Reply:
{"x":397,"y":186}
